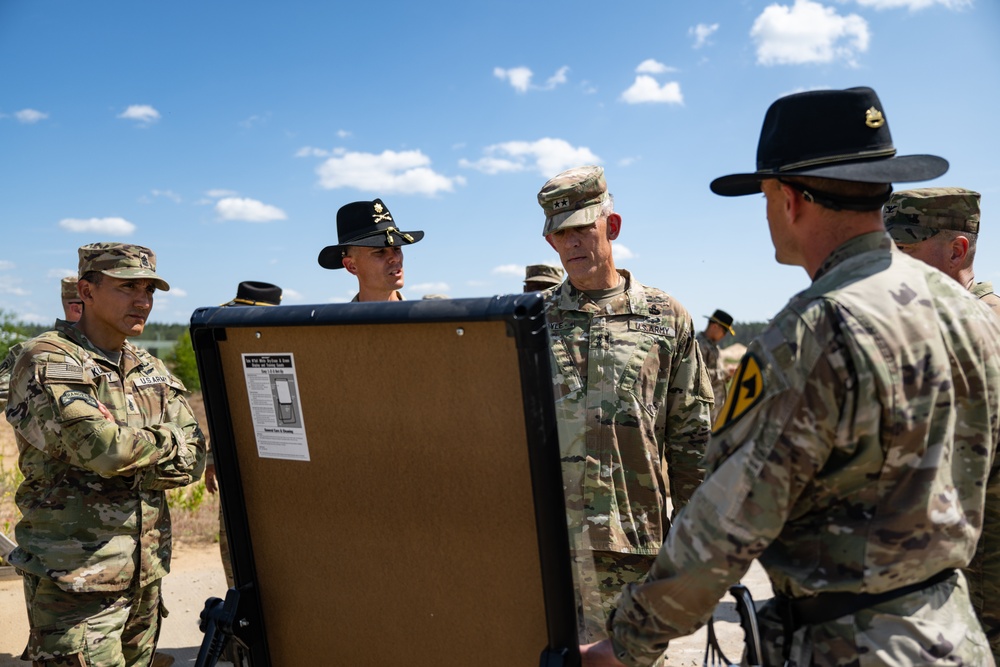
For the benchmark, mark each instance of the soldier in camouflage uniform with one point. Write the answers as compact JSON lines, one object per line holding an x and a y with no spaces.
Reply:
{"x":940,"y":226}
{"x":540,"y":277}
{"x":632,"y":397}
{"x":371,"y":248}
{"x":719,"y":324}
{"x":103,"y":430}
{"x":72,"y":309}
{"x":854,"y":452}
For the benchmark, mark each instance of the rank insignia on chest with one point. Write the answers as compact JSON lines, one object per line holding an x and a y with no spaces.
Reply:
{"x":646,"y":326}
{"x":744,"y":393}
{"x":130,"y":405}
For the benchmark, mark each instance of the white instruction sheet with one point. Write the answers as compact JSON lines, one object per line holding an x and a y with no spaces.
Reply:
{"x":275,"y":406}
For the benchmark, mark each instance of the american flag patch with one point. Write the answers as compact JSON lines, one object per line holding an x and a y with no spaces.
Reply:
{"x":64,"y":371}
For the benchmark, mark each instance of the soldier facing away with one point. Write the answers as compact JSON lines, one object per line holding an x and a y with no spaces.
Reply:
{"x":103,"y":430}
{"x":632,"y":397}
{"x":853,"y":455}
{"x":371,"y":248}
{"x":540,"y":277}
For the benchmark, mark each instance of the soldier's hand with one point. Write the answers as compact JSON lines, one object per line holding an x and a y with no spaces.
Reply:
{"x":601,"y":654}
{"x":211,"y":485}
{"x":105,"y":412}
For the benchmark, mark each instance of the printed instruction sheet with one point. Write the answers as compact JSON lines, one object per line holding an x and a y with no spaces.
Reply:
{"x":275,"y":406}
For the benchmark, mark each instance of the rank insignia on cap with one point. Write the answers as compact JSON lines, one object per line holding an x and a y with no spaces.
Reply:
{"x":561,"y":203}
{"x":874,"y":118}
{"x":744,"y":393}
{"x":378,"y":207}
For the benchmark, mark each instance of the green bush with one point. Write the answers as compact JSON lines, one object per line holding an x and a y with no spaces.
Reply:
{"x":182,"y":363}
{"x":11,"y":332}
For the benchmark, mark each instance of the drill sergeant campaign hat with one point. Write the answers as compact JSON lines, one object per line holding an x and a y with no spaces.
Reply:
{"x":912,"y":216}
{"x":364,"y":223}
{"x":573,"y":198}
{"x":543,"y":274}
{"x":723,"y":319}
{"x":68,"y":290}
{"x":121,"y":260}
{"x":253,"y":293}
{"x":838,"y":134}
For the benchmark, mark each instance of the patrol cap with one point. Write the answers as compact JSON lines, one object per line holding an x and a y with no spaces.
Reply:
{"x":573,"y":198}
{"x":543,"y":273}
{"x":253,"y":293}
{"x":723,"y":319}
{"x":912,"y":216}
{"x":121,"y":260}
{"x":364,"y":223}
{"x":68,"y":289}
{"x":838,"y":134}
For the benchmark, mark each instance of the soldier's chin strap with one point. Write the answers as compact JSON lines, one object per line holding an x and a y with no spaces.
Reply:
{"x":837,"y":202}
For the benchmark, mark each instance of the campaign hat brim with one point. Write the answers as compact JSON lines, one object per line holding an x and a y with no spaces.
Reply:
{"x":331,"y":257}
{"x":902,"y":169}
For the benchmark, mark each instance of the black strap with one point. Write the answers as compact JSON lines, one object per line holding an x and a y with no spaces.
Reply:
{"x":798,"y":612}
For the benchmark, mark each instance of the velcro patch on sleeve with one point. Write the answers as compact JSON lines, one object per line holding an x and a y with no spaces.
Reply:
{"x":64,"y":372}
{"x":745,"y":391}
{"x":69,"y":398}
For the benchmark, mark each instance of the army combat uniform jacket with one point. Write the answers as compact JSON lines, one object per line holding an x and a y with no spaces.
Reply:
{"x":712,"y":357}
{"x":853,"y":455}
{"x":95,"y":515}
{"x":632,"y":404}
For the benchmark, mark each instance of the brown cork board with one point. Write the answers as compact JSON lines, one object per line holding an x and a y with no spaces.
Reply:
{"x":409,"y":536}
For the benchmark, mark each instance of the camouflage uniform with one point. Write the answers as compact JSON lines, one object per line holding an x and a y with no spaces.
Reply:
{"x":716,"y":370}
{"x":6,"y":366}
{"x":632,"y":404}
{"x":95,"y":526}
{"x":840,"y":464}
{"x":984,"y":292}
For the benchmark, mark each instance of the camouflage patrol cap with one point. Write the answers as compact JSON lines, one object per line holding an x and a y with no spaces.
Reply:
{"x":68,"y":289}
{"x":912,"y":216}
{"x":543,"y":273}
{"x":573,"y":198}
{"x":121,"y":260}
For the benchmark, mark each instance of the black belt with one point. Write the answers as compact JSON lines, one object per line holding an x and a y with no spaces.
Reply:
{"x":798,"y":612}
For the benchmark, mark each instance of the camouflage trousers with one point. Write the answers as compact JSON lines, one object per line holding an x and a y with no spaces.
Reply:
{"x":99,"y":629}
{"x":600,"y":576}
{"x":933,"y":626}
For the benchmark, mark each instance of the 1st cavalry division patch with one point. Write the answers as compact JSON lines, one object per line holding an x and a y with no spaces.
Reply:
{"x":747,"y":388}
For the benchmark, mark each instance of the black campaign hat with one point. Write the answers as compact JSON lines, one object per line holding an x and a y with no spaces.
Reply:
{"x":253,"y":293}
{"x":364,"y":223}
{"x":723,"y":319}
{"x":838,"y":134}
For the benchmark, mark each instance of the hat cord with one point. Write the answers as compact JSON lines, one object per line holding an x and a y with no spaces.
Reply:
{"x":838,"y":203}
{"x":389,"y":239}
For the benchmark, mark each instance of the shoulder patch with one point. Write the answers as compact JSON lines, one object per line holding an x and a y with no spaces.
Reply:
{"x":747,"y":388}
{"x":73,"y":395}
{"x":66,"y":372}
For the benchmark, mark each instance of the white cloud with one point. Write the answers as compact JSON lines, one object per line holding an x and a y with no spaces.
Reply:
{"x":60,"y":273}
{"x":343,"y":134}
{"x":30,"y":116}
{"x":12,"y":285}
{"x":650,"y":66}
{"x":404,"y":172}
{"x":646,"y":89}
{"x":547,"y":156}
{"x":215,"y":194}
{"x":247,"y":210}
{"x":915,"y":5}
{"x":516,"y":270}
{"x":628,"y":161}
{"x":621,"y":252}
{"x":255,"y":120}
{"x":167,"y":194}
{"x":520,"y":78}
{"x":807,"y":32}
{"x":310,"y":151}
{"x":288,"y":294}
{"x":6,"y":265}
{"x":429,"y":288}
{"x":701,"y":33}
{"x":141,"y":113}
{"x":110,"y":226}
{"x":177,"y":292}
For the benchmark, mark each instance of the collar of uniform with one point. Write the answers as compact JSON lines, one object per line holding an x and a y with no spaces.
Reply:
{"x":979,"y":290}
{"x":570,"y":298}
{"x":74,"y":334}
{"x":855,"y":246}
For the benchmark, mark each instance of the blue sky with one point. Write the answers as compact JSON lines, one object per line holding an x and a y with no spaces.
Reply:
{"x":226,"y":134}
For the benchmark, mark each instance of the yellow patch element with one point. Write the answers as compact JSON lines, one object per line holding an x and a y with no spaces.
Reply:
{"x":747,"y":388}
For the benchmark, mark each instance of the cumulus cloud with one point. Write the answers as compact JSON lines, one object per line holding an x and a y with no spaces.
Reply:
{"x":289,"y":294}
{"x":109,"y":226}
{"x":311,"y":151}
{"x":701,"y":33}
{"x":520,"y":78}
{"x":12,"y":285}
{"x":547,"y":156}
{"x":621,"y":252}
{"x":645,"y":89}
{"x":650,"y":66}
{"x":176,"y":291}
{"x":806,"y":33}
{"x":167,"y":194}
{"x":30,"y":116}
{"x":388,"y":172}
{"x":915,"y":5}
{"x":343,"y":134}
{"x":430,"y":288}
{"x":143,"y":114}
{"x":516,"y":270}
{"x":6,"y":265}
{"x":247,"y":210}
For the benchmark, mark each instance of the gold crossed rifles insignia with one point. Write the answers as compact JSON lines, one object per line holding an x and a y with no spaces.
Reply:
{"x":745,"y":391}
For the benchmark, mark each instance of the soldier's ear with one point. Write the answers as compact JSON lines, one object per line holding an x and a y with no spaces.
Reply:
{"x":350,"y":265}
{"x":614,"y":226}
